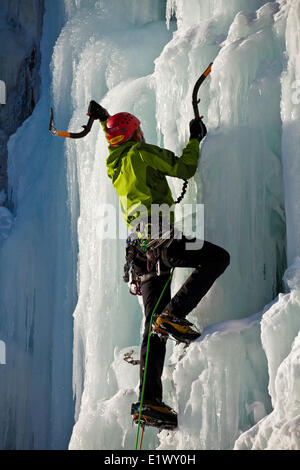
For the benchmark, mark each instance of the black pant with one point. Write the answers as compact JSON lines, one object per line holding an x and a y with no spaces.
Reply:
{"x":209,"y":262}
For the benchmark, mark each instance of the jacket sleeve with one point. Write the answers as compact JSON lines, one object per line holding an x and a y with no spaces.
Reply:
{"x":166,"y":162}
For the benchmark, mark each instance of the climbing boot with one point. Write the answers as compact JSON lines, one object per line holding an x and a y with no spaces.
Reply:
{"x":154,"y":413}
{"x":180,"y":329}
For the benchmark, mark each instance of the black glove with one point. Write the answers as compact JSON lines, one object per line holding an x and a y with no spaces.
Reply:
{"x":97,"y":112}
{"x":197,"y":129}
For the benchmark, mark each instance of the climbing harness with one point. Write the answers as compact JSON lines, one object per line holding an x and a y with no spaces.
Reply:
{"x":139,"y":244}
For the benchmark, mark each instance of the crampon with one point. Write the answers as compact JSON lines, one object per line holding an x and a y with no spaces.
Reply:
{"x":180,"y":330}
{"x":159,"y":416}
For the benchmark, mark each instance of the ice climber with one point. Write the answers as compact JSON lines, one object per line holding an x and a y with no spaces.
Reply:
{"x":138,"y":172}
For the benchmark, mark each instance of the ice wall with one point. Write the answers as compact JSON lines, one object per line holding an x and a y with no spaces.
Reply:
{"x":37,"y":278}
{"x":213,"y":416}
{"x":114,"y":61}
{"x":236,"y":387}
{"x":240,"y":182}
{"x":280,"y":324}
{"x":280,"y":338}
{"x":240,"y":176}
{"x":20,"y":58}
{"x":288,"y":29}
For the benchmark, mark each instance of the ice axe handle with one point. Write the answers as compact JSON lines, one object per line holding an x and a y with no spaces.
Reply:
{"x":199,"y":82}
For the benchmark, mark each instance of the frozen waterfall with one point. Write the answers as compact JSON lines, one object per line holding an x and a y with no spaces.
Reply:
{"x":66,"y":316}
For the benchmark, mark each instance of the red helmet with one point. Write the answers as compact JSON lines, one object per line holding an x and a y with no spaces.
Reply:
{"x":120,"y":128}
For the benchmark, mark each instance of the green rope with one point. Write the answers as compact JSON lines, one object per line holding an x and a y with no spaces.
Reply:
{"x":147,"y":355}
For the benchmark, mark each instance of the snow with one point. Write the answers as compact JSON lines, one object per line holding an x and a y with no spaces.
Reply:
{"x":237,"y":387}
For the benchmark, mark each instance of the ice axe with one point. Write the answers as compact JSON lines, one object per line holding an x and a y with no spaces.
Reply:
{"x":195,"y":103}
{"x":93,"y":112}
{"x":198,"y":83}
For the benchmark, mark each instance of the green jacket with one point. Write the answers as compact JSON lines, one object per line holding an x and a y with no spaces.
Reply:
{"x":138,"y":171}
